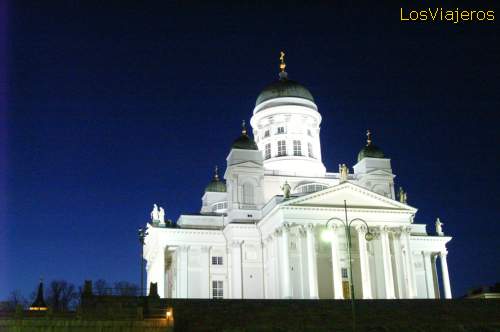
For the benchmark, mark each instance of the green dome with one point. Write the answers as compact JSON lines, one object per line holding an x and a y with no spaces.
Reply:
{"x":216,"y":185}
{"x":244,"y":142}
{"x":284,"y":88}
{"x":370,"y":150}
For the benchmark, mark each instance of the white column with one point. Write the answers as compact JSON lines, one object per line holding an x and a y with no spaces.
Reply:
{"x":157,"y":272}
{"x":302,"y":260}
{"x":408,"y":262}
{"x":205,"y":272}
{"x":366,"y":285}
{"x":398,"y":265}
{"x":183,"y":271}
{"x":336,"y":273}
{"x":236,"y":273}
{"x":446,"y":276}
{"x":276,"y":265}
{"x":312,"y":269}
{"x":285,"y":263}
{"x":429,"y":282}
{"x":386,"y":263}
{"x":435,"y":276}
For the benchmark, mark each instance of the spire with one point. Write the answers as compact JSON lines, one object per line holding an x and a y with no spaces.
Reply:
{"x":216,"y":173}
{"x":368,"y":138}
{"x":39,"y":303}
{"x":283,"y":74}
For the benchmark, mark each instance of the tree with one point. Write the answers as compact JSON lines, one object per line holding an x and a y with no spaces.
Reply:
{"x":101,"y":287}
{"x":62,"y":296}
{"x":125,"y":288}
{"x":15,"y":298}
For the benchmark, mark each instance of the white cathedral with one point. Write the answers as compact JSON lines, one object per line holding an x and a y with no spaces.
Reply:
{"x":279,"y":226}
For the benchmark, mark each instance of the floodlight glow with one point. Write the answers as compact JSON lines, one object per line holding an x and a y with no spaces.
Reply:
{"x":327,"y":236}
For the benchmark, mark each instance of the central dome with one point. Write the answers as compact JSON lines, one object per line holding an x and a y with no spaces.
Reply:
{"x":284,"y":88}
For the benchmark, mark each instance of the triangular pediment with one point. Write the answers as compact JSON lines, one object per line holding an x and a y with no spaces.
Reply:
{"x":354,"y":195}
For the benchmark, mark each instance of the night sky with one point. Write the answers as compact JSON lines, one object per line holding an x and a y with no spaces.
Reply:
{"x":112,"y":107}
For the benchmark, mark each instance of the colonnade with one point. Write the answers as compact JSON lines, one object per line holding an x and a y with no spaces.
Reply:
{"x":395,"y":261}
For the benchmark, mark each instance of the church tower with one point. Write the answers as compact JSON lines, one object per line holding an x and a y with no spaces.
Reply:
{"x":244,"y":179}
{"x":286,"y":126}
{"x":373,"y":169}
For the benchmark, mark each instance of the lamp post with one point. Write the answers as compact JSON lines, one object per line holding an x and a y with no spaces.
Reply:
{"x":142,"y":235}
{"x":368,"y":237}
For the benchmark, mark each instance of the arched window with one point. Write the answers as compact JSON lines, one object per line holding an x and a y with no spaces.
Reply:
{"x":248,"y":194}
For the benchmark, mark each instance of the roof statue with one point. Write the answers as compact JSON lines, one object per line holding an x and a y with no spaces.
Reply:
{"x":439,"y":227}
{"x":343,"y":173}
{"x":403,"y":198}
{"x":286,"y":190}
{"x":155,"y":214}
{"x":161,"y":216}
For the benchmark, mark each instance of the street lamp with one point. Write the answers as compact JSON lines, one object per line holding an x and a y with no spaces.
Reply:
{"x":368,"y":237}
{"x":142,"y":235}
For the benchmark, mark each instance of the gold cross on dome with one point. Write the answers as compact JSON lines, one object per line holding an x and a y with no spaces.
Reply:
{"x":282,"y":60}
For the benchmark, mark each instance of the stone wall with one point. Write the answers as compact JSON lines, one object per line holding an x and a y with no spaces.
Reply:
{"x":65,"y":324}
{"x":335,"y":315}
{"x":136,"y":314}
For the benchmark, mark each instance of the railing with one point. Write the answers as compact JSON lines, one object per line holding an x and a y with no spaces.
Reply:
{"x":248,"y":206}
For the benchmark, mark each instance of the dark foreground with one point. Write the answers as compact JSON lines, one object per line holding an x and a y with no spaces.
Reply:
{"x":137,"y":314}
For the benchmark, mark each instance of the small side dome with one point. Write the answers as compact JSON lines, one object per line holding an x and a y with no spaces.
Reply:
{"x":216,"y":185}
{"x":244,"y":142}
{"x":370,"y":150}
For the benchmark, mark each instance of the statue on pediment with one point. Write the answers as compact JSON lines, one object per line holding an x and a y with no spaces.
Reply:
{"x":286,"y":190}
{"x":343,"y":173}
{"x":403,"y":198}
{"x":439,"y":227}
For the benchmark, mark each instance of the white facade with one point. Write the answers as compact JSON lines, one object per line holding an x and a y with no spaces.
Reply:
{"x":251,"y":241}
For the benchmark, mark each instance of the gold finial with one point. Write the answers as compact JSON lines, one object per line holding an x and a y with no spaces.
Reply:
{"x":368,"y":137}
{"x":244,"y":128}
{"x":282,"y":61}
{"x":216,"y":173}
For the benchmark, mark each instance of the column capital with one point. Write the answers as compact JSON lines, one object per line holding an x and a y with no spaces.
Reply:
{"x":384,"y":229}
{"x":361,"y":229}
{"x":310,"y":227}
{"x":426,"y":253}
{"x":443,"y":253}
{"x":183,"y":248}
{"x":301,"y":231}
{"x":333,"y":227}
{"x":406,"y":230}
{"x":235,"y":244}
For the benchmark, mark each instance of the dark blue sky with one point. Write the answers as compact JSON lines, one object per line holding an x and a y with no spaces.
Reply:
{"x":113,"y":107}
